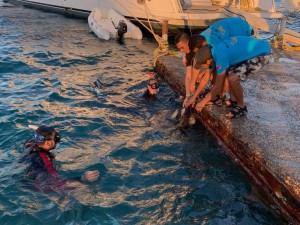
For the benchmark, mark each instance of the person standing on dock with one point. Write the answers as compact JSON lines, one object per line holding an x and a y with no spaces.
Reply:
{"x":235,"y":58}
{"x":213,"y":35}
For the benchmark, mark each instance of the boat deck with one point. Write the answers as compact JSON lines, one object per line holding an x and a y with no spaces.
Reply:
{"x":194,"y":9}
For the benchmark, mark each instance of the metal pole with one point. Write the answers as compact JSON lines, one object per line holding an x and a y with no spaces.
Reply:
{"x":165,"y":30}
{"x":280,"y":37}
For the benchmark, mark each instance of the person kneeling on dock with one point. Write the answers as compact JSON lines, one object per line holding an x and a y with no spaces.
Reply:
{"x":213,"y":35}
{"x":235,"y":58}
{"x":39,"y":160}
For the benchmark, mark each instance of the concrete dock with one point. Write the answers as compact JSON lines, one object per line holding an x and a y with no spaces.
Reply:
{"x":265,"y":142}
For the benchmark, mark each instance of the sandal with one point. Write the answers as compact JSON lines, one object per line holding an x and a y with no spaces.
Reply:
{"x":230,"y":103}
{"x":218,"y":101}
{"x":237,"y":112}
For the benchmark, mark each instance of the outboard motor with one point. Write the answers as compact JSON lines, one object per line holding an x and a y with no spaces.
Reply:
{"x":122,"y":29}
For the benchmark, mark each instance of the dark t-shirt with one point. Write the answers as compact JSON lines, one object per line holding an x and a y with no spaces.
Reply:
{"x":189,"y":58}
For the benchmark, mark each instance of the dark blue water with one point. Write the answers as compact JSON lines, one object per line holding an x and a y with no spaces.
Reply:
{"x":151,"y":172}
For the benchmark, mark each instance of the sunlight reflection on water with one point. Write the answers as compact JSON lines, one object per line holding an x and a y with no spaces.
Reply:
{"x":151,"y":172}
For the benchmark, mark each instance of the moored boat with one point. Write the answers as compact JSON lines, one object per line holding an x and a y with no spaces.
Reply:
{"x":179,"y":13}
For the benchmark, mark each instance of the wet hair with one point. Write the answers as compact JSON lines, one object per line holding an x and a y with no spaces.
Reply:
{"x":203,"y":54}
{"x":47,"y":132}
{"x":196,"y":41}
{"x":181,"y":37}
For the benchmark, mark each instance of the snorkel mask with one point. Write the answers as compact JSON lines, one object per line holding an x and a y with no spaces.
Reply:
{"x":40,"y":138}
{"x":153,"y":85}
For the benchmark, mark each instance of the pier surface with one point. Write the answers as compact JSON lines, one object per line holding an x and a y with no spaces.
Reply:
{"x":265,"y":142}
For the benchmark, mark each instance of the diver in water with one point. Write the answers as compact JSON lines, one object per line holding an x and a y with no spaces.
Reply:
{"x":40,"y":159}
{"x":152,"y":88}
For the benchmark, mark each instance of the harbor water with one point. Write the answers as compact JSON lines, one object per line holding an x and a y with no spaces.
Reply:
{"x":151,"y":171}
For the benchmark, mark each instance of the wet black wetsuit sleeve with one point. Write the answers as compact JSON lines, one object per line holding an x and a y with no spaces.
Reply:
{"x":37,"y":168}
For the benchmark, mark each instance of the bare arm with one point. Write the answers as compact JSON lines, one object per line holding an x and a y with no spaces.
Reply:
{"x":202,"y":84}
{"x":188,"y":79}
{"x":195,"y":74}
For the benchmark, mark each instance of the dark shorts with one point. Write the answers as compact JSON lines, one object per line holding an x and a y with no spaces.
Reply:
{"x":244,"y":69}
{"x":205,"y":90}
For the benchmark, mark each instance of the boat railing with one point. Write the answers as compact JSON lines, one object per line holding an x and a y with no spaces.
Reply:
{"x":177,"y":5}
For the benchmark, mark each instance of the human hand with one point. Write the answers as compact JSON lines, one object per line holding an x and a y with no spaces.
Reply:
{"x":190,"y":101}
{"x":90,"y":176}
{"x":199,"y":107}
{"x":204,"y":66}
{"x":185,"y":101}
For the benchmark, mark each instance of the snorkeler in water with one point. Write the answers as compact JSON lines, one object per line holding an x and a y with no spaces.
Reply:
{"x":152,"y":88}
{"x":39,"y":159}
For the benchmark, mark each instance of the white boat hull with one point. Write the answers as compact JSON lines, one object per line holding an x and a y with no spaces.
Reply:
{"x":103,"y":23}
{"x":177,"y":14}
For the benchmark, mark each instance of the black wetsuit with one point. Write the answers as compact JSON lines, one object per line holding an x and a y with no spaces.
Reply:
{"x":40,"y":161}
{"x":147,"y":95}
{"x":41,"y":170}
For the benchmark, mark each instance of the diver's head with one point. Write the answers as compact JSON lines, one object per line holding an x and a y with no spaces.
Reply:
{"x":46,"y":137}
{"x":153,"y":86}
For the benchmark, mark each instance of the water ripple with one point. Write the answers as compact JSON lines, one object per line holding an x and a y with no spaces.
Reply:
{"x":151,"y":172}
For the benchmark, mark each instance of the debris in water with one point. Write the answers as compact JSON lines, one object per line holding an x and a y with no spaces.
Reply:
{"x":99,"y":86}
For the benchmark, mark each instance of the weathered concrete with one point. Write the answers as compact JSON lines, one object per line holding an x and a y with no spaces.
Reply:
{"x":266,"y":142}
